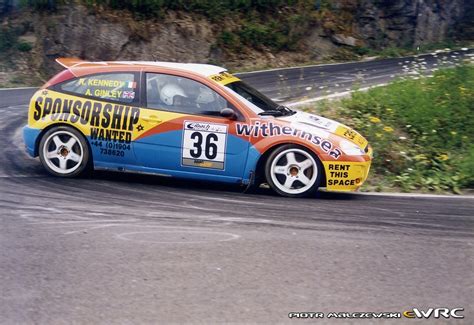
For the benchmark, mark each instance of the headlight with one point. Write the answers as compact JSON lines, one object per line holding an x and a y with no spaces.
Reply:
{"x":351,"y":149}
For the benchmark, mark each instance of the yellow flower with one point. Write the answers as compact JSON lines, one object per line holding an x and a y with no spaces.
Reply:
{"x":374,"y":119}
{"x":388,"y":129}
{"x":421,"y":157}
{"x":443,"y":157}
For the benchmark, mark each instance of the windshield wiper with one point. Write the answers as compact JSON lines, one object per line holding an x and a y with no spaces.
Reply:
{"x":285,"y":110}
{"x":272,"y":112}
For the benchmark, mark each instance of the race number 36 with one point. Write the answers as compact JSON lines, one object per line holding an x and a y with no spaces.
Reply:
{"x":204,"y":144}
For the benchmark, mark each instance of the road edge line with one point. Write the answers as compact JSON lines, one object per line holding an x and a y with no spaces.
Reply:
{"x":415,"y":195}
{"x":349,"y":62}
{"x":18,"y":88}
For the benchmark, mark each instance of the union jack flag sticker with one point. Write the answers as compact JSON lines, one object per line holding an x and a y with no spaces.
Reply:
{"x":128,"y":94}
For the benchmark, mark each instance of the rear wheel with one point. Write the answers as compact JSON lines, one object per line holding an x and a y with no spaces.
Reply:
{"x":64,"y":152}
{"x":293,"y":171}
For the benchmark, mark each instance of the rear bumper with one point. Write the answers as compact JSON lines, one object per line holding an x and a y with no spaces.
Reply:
{"x":344,"y":175}
{"x":30,"y":137}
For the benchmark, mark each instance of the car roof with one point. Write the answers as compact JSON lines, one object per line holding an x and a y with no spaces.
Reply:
{"x":204,"y":70}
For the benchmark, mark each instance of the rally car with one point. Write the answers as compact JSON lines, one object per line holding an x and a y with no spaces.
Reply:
{"x":193,"y":121}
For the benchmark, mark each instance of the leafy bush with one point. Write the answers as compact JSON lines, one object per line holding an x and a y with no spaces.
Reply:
{"x":361,"y":50}
{"x":228,"y":39}
{"x":420,"y":130}
{"x":256,"y":35}
{"x":24,"y":47}
{"x":8,"y":38}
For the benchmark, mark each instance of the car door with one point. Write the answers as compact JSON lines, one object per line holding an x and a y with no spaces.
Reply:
{"x":189,"y":138}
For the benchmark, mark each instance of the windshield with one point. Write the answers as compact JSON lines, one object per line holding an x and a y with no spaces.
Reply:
{"x":253,"y":96}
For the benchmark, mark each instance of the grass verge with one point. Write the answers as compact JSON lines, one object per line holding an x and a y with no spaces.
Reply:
{"x":421,"y":131}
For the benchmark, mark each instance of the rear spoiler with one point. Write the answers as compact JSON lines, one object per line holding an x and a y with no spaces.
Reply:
{"x":69,"y":63}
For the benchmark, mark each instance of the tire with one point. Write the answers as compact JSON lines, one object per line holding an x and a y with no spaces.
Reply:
{"x":293,"y":171}
{"x":64,"y":152}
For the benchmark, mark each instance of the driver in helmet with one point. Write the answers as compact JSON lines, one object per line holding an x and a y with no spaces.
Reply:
{"x":173,"y":95}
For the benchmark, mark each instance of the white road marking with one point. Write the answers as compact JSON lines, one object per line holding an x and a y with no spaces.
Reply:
{"x":227,"y":236}
{"x":332,"y":96}
{"x":79,"y":222}
{"x":87,"y":229}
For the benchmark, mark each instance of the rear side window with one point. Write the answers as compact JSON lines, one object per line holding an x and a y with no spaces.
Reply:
{"x":120,"y":87}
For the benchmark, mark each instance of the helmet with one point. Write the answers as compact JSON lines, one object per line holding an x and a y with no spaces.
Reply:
{"x":205,"y":96}
{"x":168,"y":92}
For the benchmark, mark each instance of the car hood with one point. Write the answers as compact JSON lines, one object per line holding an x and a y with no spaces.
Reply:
{"x":322,"y":126}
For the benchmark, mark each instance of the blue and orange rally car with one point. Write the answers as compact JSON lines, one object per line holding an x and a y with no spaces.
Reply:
{"x":192,"y":121}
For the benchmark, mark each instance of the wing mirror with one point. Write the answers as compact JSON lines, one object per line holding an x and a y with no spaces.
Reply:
{"x":228,"y":113}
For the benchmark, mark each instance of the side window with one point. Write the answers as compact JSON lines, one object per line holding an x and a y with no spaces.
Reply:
{"x":179,"y":94}
{"x":120,"y":87}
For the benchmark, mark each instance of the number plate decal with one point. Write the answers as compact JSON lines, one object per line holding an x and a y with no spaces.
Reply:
{"x":204,"y":145}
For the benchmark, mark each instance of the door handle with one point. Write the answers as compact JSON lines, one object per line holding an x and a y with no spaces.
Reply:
{"x":152,"y":118}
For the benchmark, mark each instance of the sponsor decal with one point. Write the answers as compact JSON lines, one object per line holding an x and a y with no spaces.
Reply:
{"x":344,"y":175}
{"x":224,"y":78}
{"x":339,"y":175}
{"x":321,"y":122}
{"x":352,"y":135}
{"x":108,"y":122}
{"x":273,"y":130}
{"x":200,"y":126}
{"x":111,"y":148}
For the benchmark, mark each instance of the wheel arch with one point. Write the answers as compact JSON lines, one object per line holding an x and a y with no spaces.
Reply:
{"x":260,"y":167}
{"x":49,"y":127}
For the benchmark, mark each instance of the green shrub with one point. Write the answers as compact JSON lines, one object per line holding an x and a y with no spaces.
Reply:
{"x":228,"y":39}
{"x":256,"y":35}
{"x":8,"y":38}
{"x":24,"y":47}
{"x":391,"y":52}
{"x":360,"y":50}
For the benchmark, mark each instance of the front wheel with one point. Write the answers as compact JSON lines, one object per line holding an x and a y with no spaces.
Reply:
{"x":293,"y":171}
{"x":64,"y":152}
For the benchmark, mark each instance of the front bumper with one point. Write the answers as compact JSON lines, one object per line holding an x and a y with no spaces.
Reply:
{"x":345,"y":175}
{"x":30,"y":137}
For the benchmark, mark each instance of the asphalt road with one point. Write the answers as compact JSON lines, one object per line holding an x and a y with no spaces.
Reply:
{"x":131,"y":249}
{"x":295,"y":84}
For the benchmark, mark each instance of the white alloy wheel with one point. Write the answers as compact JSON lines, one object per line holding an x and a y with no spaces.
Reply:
{"x":63,"y":152}
{"x":293,"y":171}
